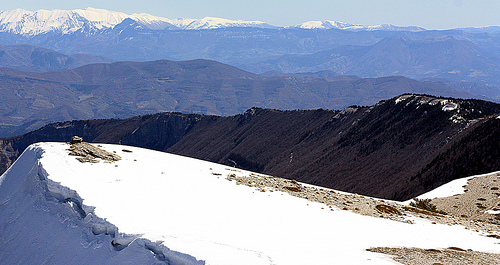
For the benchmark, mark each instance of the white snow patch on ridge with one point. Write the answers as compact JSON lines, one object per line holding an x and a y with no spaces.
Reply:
{"x":184,"y":204}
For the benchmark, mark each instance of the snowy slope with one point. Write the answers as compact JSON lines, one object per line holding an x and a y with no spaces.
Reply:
{"x":185,"y":204}
{"x":327,"y":24}
{"x":449,"y":189}
{"x":24,"y":22}
{"x":214,"y":23}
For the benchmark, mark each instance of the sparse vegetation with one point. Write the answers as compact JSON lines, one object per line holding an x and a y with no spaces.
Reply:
{"x":418,"y":210}
{"x":425,"y":204}
{"x":387,"y":209}
{"x":294,"y":189}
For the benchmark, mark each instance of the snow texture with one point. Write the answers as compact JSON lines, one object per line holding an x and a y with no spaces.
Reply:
{"x":43,"y":222}
{"x":57,"y":210}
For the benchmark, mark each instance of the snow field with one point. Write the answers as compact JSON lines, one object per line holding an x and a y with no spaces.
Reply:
{"x":190,"y":207}
{"x":181,"y":201}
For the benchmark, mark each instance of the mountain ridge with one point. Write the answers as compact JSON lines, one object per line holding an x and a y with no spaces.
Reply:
{"x":443,"y":57}
{"x":125,"y":89}
{"x":395,"y":149}
{"x":36,"y":59}
{"x":93,"y":19}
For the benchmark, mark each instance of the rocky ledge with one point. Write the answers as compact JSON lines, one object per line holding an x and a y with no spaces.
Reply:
{"x":87,"y":152}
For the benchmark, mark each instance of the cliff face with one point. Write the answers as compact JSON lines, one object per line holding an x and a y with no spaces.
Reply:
{"x":396,"y":149}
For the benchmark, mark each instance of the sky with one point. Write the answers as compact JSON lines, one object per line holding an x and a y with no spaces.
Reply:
{"x":430,"y":14}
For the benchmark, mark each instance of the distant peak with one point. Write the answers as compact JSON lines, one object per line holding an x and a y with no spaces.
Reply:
{"x":31,"y":23}
{"x":330,"y":24}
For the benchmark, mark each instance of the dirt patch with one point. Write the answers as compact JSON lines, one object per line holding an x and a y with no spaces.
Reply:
{"x":336,"y":200}
{"x":449,"y":256}
{"x":480,"y":195}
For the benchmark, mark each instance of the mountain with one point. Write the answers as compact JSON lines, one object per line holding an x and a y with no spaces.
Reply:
{"x":143,"y":37}
{"x":124,"y":89}
{"x":329,"y":24}
{"x":35,"y":59}
{"x":92,"y":20}
{"x":446,"y":58}
{"x":38,"y":22}
{"x":395,"y":149}
{"x":147,"y":207}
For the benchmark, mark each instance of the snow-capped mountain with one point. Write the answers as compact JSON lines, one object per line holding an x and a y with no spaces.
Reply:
{"x":214,"y":23}
{"x":329,"y":24}
{"x":24,"y":22}
{"x":30,"y":23}
{"x":149,"y":207}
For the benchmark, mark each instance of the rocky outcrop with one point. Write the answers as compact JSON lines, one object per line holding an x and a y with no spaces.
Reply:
{"x":86,"y":152}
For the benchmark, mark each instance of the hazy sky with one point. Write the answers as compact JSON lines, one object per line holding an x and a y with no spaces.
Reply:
{"x":430,"y":14}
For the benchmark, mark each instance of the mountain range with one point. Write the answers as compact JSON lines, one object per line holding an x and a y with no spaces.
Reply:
{"x":36,"y":59}
{"x":395,"y":149}
{"x":32,"y":23}
{"x":469,"y":55}
{"x":446,"y":58}
{"x":30,"y":100}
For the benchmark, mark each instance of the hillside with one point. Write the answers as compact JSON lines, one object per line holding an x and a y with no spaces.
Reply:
{"x":395,"y":149}
{"x":443,"y":57}
{"x":149,"y":207}
{"x":36,"y":59}
{"x":143,"y":37}
{"x":29,"y":100}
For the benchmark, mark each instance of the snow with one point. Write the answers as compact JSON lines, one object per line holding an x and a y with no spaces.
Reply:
{"x":66,"y":21}
{"x":184,"y":204}
{"x":403,"y":98}
{"x":448,"y":105}
{"x":32,"y":23}
{"x":214,"y":23}
{"x":329,"y":24}
{"x":449,"y":189}
{"x":493,"y":212}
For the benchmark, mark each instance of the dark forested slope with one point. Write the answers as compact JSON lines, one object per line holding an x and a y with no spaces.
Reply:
{"x":396,"y":149}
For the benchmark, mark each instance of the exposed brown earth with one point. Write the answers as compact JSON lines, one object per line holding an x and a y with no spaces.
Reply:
{"x":449,"y":256}
{"x":336,"y":200}
{"x":481,"y":196}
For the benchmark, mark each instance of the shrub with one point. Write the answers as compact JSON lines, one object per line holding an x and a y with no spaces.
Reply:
{"x":387,"y":209}
{"x":425,"y":204}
